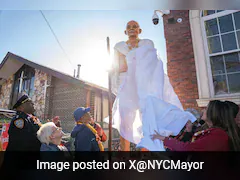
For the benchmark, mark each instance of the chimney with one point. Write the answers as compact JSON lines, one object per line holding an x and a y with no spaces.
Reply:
{"x":78,"y":71}
{"x":74,"y":73}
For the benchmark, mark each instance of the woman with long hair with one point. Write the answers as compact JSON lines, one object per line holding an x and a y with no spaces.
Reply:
{"x":222,"y":134}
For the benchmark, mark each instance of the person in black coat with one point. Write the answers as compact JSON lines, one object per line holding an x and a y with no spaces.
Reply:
{"x":23,"y":146}
{"x":23,"y":127}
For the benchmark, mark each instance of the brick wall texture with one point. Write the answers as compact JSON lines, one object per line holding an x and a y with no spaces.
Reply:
{"x":180,"y":58}
{"x":62,"y":100}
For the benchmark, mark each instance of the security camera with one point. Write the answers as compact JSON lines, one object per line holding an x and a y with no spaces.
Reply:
{"x":155,"y":19}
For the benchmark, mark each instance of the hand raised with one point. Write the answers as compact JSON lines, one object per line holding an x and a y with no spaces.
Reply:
{"x":157,"y":136}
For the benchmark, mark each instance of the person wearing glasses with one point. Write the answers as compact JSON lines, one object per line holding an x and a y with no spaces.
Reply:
{"x":50,"y":136}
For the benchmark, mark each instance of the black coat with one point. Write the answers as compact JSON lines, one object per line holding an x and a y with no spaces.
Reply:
{"x":23,"y":134}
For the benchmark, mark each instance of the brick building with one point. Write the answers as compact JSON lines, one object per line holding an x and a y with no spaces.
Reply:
{"x":53,"y":93}
{"x":203,"y":55}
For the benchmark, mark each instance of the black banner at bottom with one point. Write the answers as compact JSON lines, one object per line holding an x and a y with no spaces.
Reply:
{"x":119,"y":165}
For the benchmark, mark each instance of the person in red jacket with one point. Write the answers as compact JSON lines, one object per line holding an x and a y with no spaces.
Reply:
{"x":222,"y":134}
{"x":99,"y":130}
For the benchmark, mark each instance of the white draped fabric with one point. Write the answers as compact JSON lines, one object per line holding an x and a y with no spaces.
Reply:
{"x":145,"y":99}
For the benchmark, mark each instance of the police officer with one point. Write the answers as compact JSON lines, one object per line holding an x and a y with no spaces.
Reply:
{"x":23,"y":127}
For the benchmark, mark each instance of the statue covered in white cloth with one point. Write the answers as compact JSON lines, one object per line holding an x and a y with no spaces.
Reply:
{"x":145,"y":100}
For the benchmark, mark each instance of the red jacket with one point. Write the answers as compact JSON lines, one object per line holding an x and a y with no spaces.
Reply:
{"x":213,"y":139}
{"x":98,"y":128}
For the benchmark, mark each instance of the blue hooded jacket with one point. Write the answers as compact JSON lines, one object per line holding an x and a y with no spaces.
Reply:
{"x":85,"y":140}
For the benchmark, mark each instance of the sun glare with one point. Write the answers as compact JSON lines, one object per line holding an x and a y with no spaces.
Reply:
{"x":96,"y":64}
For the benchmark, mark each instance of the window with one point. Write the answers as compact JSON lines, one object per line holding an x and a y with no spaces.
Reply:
{"x":221,"y":30}
{"x":24,"y":82}
{"x":209,"y":12}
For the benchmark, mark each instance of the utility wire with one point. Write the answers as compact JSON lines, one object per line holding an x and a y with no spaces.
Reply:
{"x":56,"y":38}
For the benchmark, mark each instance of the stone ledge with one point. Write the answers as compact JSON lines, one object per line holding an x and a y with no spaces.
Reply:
{"x":204,"y":102}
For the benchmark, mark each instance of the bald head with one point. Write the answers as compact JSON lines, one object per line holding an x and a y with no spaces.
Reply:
{"x":133,"y":29}
{"x":132,"y":22}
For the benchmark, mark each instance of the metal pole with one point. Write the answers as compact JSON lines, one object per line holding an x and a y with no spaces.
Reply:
{"x":78,"y":71}
{"x":109,"y":101}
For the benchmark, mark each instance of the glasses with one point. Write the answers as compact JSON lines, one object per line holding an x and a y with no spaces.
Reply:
{"x":132,"y":27}
{"x":57,"y":129}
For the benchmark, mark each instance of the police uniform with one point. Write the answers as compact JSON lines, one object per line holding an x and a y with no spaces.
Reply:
{"x":23,"y":130}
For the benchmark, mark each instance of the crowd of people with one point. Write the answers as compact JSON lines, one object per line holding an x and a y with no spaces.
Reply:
{"x":219,"y":123}
{"x":217,"y":129}
{"x":28,"y":134}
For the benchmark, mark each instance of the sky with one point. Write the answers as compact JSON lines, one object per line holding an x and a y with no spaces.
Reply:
{"x":82,"y":35}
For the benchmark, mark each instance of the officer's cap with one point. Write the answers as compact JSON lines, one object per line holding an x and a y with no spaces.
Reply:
{"x":23,"y":98}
